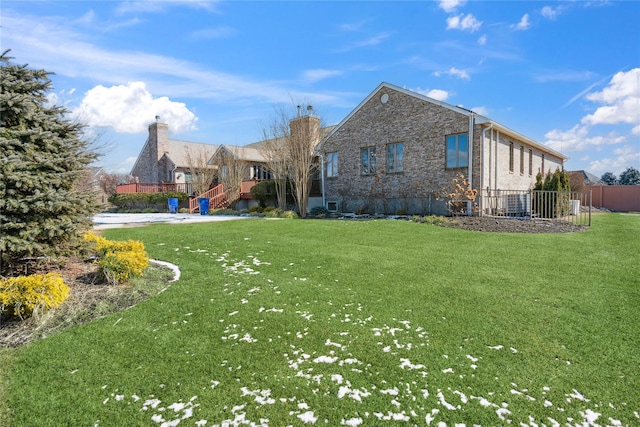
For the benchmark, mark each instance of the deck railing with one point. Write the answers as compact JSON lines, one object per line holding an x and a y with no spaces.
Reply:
{"x":217,"y":199}
{"x":154,"y":187}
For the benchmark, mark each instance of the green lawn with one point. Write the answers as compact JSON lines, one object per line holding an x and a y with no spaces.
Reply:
{"x":293,"y":322}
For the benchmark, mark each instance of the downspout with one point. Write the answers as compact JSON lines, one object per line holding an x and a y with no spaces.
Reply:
{"x":324,"y":202}
{"x":484,"y":136}
{"x":470,"y":178}
{"x":495,"y":162}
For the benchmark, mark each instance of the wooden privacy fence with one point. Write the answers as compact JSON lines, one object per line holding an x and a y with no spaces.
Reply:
{"x":573,"y":206}
{"x":622,"y":198}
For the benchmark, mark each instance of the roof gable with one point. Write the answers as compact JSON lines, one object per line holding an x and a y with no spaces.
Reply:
{"x":243,"y":153}
{"x":478,"y":118}
{"x":385,"y":85}
{"x":180,"y":151}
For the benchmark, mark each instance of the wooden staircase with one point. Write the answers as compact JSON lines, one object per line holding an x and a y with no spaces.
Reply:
{"x":217,"y":199}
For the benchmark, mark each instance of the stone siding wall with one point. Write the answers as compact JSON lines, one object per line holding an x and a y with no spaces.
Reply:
{"x":146,"y":167}
{"x":422,"y":127}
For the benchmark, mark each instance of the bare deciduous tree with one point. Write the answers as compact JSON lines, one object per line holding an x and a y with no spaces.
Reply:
{"x":304,"y":136}
{"x":109,"y":181}
{"x":290,"y":142}
{"x":274,"y":149}
{"x":202,"y":173}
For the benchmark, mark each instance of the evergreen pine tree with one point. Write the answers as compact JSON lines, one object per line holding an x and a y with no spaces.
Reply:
{"x":42,"y":155}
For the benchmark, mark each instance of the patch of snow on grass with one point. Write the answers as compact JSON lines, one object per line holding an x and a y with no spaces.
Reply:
{"x":351,"y":422}
{"x":444,"y":403}
{"x":308,"y":417}
{"x":406,"y":363}
{"x":325,"y":359}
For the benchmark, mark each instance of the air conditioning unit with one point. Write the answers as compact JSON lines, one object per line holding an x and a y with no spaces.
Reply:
{"x":517,"y":204}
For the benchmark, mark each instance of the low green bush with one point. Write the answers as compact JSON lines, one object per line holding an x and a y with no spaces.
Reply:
{"x":142,"y":201}
{"x":289,"y":214}
{"x":319,"y":210}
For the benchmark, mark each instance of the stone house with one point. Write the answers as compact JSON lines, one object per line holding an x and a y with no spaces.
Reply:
{"x":398,"y":149}
{"x":165,"y":160}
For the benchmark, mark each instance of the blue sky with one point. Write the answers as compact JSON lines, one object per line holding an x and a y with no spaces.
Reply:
{"x":566,"y":74}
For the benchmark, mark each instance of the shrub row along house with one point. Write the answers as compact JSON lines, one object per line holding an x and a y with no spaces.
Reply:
{"x":397,"y":151}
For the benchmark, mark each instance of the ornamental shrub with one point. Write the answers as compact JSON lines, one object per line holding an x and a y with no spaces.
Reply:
{"x":25,"y":295}
{"x":319,"y":210}
{"x":140,"y":201}
{"x":289,"y":214}
{"x":119,"y":261}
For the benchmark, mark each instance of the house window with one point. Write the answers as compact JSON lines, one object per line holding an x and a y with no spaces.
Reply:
{"x":458,"y":151}
{"x":542,"y":156}
{"x":188,"y":177}
{"x":332,"y":165}
{"x":395,"y":157}
{"x":521,"y":160}
{"x":511,"y":157}
{"x":259,"y":172}
{"x":368,"y":160}
{"x":530,"y":162}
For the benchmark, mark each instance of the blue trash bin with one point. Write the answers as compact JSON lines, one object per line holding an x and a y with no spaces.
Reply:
{"x":173,"y":205}
{"x":203,"y":202}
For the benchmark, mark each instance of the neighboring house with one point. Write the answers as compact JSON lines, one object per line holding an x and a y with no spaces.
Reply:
{"x":164,"y":160}
{"x":92,"y":180}
{"x":398,"y":149}
{"x":166,"y":163}
{"x":582,"y":178}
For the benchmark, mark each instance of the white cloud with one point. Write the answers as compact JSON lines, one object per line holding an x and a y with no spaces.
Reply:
{"x":564,"y":76}
{"x":621,"y":99}
{"x":455,"y":72}
{"x":463,"y":22}
{"x":320,"y":74}
{"x":212,"y":33}
{"x":438,"y":94}
{"x":483,"y":111}
{"x":130,"y":109}
{"x":577,"y":139}
{"x":550,"y":12}
{"x":53,"y":45}
{"x":622,"y":105}
{"x":482,"y":40}
{"x":371,"y":41}
{"x":451,"y":5}
{"x":161,"y":6}
{"x":622,"y":158}
{"x":524,"y":23}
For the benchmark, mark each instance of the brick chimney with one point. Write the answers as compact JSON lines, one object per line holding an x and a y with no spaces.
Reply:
{"x":159,"y":139}
{"x":306,"y":127}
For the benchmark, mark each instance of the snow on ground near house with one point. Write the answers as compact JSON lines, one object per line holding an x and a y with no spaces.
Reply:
{"x":114,"y":220}
{"x":337,"y":372}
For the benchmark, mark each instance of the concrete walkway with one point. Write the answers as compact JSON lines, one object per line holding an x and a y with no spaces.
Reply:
{"x":117,"y":220}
